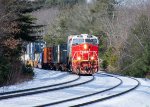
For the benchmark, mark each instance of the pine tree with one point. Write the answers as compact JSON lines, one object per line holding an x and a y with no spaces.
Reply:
{"x":18,"y":27}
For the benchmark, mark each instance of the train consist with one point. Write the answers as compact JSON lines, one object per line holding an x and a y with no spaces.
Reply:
{"x":79,"y":55}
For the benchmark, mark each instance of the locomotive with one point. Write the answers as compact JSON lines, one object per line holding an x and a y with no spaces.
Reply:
{"x":83,"y":53}
{"x":79,"y":55}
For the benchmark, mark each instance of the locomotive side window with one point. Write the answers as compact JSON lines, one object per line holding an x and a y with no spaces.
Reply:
{"x":95,"y":41}
{"x":91,"y":41}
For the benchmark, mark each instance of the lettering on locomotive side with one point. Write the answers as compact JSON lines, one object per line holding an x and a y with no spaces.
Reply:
{"x":85,"y":51}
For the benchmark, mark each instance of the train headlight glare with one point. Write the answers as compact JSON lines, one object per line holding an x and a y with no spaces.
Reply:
{"x":92,"y":58}
{"x":85,"y":46}
{"x":78,"y":58}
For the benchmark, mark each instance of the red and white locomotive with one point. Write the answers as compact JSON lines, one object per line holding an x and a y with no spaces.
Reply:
{"x":83,"y":53}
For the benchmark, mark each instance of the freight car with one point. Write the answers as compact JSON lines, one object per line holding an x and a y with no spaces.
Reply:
{"x":45,"y":59}
{"x":60,"y":57}
{"x":32,"y":52}
{"x":54,"y":58}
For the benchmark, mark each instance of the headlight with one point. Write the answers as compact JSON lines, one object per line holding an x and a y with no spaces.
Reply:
{"x":92,"y":58}
{"x":85,"y":46}
{"x":78,"y":58}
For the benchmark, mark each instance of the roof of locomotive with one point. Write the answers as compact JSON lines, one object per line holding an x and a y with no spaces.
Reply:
{"x":84,"y":36}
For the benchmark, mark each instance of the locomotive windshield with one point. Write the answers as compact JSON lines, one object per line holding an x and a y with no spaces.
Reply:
{"x":78,"y":41}
{"x":91,"y":41}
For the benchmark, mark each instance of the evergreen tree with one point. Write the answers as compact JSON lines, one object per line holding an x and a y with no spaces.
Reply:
{"x":18,"y":27}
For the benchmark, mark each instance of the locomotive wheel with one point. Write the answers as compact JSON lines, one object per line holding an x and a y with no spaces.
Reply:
{"x":93,"y":71}
{"x":57,"y":69}
{"x":78,"y":71}
{"x":60,"y":68}
{"x":54,"y":68}
{"x":74,"y":70}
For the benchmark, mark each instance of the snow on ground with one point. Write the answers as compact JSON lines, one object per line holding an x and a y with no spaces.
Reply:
{"x":136,"y":98}
{"x":100,"y":83}
{"x":127,"y":84}
{"x":139,"y":97}
{"x":41,"y":78}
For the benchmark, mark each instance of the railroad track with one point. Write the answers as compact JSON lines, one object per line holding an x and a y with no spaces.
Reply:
{"x":84,"y":96}
{"x":41,"y":87}
{"x":111,"y":96}
{"x":76,"y":102}
{"x":44,"y":89}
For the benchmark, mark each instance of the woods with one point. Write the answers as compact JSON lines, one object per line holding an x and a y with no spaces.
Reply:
{"x":138,"y":52}
{"x":123,"y":29}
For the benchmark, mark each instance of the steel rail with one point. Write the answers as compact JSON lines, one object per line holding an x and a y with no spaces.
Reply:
{"x":84,"y":96}
{"x":36,"y":88}
{"x":109,"y":97}
{"x":43,"y":91}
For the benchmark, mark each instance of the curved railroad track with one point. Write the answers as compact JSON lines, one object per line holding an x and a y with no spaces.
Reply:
{"x":73,"y":103}
{"x":109,"y":97}
{"x":83,"y":99}
{"x":36,"y":88}
{"x":84,"y":96}
{"x":45,"y":80}
{"x":44,"y":89}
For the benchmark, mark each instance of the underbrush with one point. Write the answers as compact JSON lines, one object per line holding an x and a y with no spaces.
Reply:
{"x":4,"y":71}
{"x":27,"y":70}
{"x":14,"y":71}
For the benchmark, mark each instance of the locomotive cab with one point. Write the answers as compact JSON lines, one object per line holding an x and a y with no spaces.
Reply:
{"x":83,"y":54}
